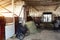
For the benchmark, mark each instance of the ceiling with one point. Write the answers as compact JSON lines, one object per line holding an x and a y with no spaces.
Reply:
{"x":4,"y":3}
{"x":34,"y":3}
{"x":41,"y":2}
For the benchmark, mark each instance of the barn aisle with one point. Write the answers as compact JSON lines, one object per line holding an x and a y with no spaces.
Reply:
{"x":43,"y":35}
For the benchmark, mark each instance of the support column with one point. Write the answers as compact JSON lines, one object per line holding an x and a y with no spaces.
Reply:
{"x":26,"y":12}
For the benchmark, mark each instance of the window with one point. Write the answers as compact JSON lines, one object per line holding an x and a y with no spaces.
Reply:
{"x":47,"y":17}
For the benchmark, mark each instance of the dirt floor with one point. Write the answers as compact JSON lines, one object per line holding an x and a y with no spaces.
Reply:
{"x":43,"y":35}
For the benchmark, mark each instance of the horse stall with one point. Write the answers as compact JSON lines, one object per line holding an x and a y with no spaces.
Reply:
{"x":6,"y":26}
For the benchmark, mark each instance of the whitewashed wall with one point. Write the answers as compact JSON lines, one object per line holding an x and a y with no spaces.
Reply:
{"x":19,"y":9}
{"x":9,"y":30}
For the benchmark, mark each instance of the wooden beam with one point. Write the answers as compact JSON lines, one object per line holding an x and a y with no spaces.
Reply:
{"x":35,"y":8}
{"x":1,"y":0}
{"x":5,"y":9}
{"x":38,"y":3}
{"x":6,"y":4}
{"x":55,"y":0}
{"x":56,"y":8}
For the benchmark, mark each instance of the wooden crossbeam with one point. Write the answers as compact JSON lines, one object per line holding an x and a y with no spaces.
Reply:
{"x":6,"y":3}
{"x":35,"y":8}
{"x":55,"y":0}
{"x":5,"y":9}
{"x":1,"y":0}
{"x":42,"y":3}
{"x":56,"y":8}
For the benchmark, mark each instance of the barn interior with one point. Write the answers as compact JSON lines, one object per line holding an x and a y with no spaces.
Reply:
{"x":29,"y":19}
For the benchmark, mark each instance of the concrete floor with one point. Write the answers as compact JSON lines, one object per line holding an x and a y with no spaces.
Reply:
{"x":43,"y":35}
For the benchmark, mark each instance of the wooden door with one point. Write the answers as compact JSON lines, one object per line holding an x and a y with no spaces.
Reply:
{"x":16,"y":23}
{"x":2,"y":28}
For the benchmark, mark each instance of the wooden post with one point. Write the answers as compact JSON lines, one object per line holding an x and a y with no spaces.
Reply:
{"x":26,"y":12}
